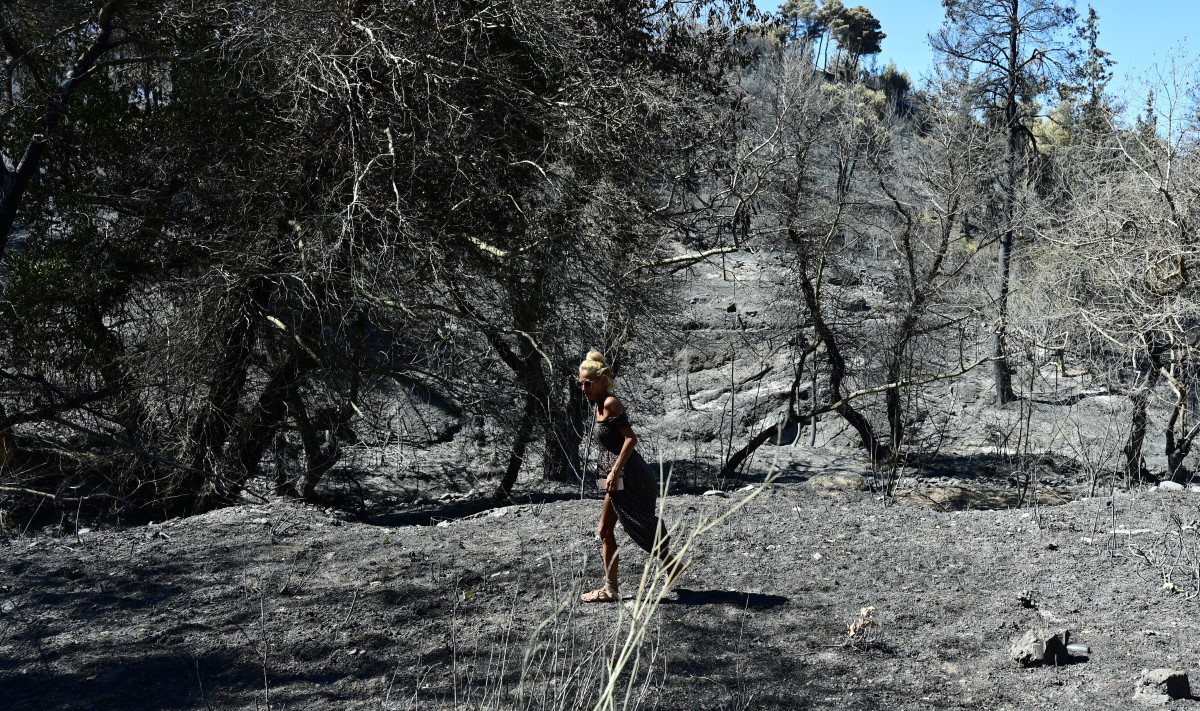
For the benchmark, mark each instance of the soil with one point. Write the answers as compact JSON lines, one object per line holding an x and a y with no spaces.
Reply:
{"x":292,"y":606}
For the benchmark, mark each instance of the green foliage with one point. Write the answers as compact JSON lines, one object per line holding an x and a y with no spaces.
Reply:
{"x":894,"y":83}
{"x":1056,"y":129}
{"x":857,"y":32}
{"x":1084,"y":87}
{"x":802,"y":20}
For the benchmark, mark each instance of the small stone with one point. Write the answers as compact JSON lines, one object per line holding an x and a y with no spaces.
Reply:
{"x":732,"y":308}
{"x":1041,"y":646}
{"x":1160,"y":686}
{"x":1025,"y":597}
{"x":1170,"y":486}
{"x":714,"y":492}
{"x":1078,"y":650}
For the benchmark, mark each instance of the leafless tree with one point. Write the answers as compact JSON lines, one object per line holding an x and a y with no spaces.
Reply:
{"x":1118,"y":261}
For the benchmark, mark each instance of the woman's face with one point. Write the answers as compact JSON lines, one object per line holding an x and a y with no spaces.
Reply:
{"x":593,"y":387}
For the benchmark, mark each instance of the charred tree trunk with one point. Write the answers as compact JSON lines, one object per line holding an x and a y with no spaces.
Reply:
{"x":1135,"y":470}
{"x":109,"y":352}
{"x":520,"y":443}
{"x":1001,"y":370}
{"x":837,"y":374}
{"x":225,"y":390}
{"x":1178,"y":448}
{"x":893,"y":398}
{"x":250,"y":443}
{"x":791,"y":419}
{"x":564,"y":434}
{"x":319,"y":459}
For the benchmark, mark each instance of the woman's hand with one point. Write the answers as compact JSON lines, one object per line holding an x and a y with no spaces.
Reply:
{"x":613,"y":483}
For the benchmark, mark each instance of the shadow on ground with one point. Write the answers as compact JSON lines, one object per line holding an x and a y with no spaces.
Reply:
{"x":757,"y":601}
{"x":432,"y":514}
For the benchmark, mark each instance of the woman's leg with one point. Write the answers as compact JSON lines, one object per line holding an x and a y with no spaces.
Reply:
{"x":608,"y":539}
{"x":674,"y":566}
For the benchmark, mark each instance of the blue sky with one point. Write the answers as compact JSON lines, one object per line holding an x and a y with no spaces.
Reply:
{"x":1137,"y":34}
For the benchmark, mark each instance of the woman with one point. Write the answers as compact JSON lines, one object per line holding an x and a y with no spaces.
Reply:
{"x":631,"y":487}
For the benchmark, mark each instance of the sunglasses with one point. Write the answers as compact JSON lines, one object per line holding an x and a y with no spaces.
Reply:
{"x":584,"y":384}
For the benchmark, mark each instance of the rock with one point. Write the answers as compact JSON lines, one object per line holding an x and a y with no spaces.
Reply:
{"x":1170,"y":486}
{"x":732,"y":308}
{"x":714,"y":492}
{"x":693,"y":360}
{"x":1041,"y":646}
{"x":785,"y":435}
{"x":858,"y":305}
{"x":1161,"y":686}
{"x":849,"y":482}
{"x":1078,"y":650}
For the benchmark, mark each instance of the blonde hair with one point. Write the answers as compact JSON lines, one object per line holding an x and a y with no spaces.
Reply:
{"x":596,"y":365}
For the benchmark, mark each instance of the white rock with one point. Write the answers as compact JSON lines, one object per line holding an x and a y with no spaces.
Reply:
{"x":1160,"y":686}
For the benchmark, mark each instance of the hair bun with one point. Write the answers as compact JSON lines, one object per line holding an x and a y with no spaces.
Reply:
{"x":597,"y":365}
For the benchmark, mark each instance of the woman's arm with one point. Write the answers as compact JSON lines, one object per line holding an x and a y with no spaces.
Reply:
{"x":612,"y":408}
{"x":631,"y":441}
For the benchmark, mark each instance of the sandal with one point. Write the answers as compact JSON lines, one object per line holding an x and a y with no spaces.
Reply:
{"x":608,"y":593}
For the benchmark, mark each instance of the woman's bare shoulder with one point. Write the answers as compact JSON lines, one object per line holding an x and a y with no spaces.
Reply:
{"x":612,"y":406}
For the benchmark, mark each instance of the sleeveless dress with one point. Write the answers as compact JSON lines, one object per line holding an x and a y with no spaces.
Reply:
{"x":637,"y":503}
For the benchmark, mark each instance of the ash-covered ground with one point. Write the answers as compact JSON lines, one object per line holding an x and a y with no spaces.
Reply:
{"x":293,"y":607}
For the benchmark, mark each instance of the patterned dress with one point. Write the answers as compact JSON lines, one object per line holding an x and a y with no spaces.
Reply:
{"x":637,"y":503}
